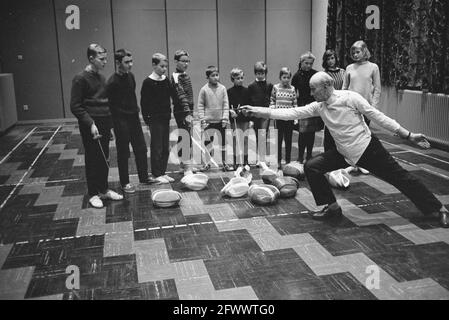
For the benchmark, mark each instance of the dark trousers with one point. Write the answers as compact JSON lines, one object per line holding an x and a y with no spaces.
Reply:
{"x":182,"y":125}
{"x":95,"y":164}
{"x":306,"y":140}
{"x":160,"y":140}
{"x":285,"y":133}
{"x":210,"y":138}
{"x":379,"y":162}
{"x":329,"y":142}
{"x":128,"y":130}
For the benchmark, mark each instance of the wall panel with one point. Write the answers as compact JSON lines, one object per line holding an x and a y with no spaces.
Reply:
{"x":288,"y":34}
{"x":95,"y":27}
{"x":28,"y":29}
{"x":192,"y":25}
{"x":319,"y":26}
{"x":226,"y":33}
{"x":139,"y":26}
{"x":241,"y":36}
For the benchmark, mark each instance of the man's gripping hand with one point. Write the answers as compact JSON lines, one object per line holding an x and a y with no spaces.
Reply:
{"x":420,"y":140}
{"x":255,"y":112}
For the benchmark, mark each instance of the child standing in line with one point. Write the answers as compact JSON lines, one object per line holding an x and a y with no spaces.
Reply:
{"x":89,"y":104}
{"x":156,"y":110}
{"x":121,"y":93}
{"x":213,"y":110}
{"x":363,"y":76}
{"x":307,"y":127}
{"x":238,"y":97}
{"x":330,"y":66}
{"x":284,"y":97}
{"x":182,"y":100}
{"x":259,"y":95}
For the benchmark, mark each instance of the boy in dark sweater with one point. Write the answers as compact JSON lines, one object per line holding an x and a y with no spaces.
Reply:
{"x":260,"y":95}
{"x":90,"y":106}
{"x":238,"y":97}
{"x":156,"y":110}
{"x":121,"y":93}
{"x":306,"y":127}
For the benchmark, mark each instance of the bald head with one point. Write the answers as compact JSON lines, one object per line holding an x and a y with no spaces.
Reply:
{"x":322,"y":79}
{"x":321,"y":86}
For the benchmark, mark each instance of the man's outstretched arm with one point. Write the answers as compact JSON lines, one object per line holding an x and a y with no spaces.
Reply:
{"x":390,"y":124}
{"x":305,"y":112}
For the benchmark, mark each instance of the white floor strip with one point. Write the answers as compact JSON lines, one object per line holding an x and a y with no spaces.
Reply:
{"x":169,"y":227}
{"x":29,"y":169}
{"x":40,"y":183}
{"x":18,"y":145}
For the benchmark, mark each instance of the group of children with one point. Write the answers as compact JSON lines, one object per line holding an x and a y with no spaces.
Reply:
{"x":101,"y":106}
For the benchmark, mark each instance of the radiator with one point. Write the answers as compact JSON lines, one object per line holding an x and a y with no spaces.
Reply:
{"x":420,"y":112}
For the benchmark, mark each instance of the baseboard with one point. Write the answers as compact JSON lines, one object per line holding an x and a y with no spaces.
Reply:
{"x":43,"y":121}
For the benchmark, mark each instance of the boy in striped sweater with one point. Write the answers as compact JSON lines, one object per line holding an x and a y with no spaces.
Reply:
{"x":182,"y":103}
{"x":213,"y":111}
{"x":283,"y":96}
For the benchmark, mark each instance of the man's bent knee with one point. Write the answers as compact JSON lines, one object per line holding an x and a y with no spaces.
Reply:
{"x":312,"y":166}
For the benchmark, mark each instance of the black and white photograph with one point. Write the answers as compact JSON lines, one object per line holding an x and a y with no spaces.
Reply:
{"x":224,"y":158}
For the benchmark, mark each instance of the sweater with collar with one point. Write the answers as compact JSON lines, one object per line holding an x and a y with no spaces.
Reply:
{"x":155,"y":98}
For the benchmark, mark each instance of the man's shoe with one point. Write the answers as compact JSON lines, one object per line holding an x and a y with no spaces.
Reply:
{"x":444,"y":219}
{"x":96,"y":202}
{"x":327,"y":214}
{"x":111,"y":195}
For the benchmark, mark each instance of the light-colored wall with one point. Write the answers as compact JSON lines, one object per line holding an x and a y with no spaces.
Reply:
{"x":288,"y":34}
{"x":226,"y":33}
{"x":96,"y":27}
{"x":192,"y":26}
{"x":28,"y":29}
{"x":241,"y":31}
{"x":319,"y":24}
{"x":139,"y":26}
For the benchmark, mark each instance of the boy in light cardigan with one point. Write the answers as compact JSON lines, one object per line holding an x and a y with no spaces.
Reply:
{"x":213,"y":110}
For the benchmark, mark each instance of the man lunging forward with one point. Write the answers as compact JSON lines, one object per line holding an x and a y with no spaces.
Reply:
{"x":342,"y":112}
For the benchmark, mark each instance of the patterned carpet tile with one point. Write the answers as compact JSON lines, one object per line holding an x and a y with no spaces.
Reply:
{"x":209,"y":247}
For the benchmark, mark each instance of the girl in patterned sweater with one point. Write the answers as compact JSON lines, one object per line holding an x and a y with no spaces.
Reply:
{"x":283,"y":96}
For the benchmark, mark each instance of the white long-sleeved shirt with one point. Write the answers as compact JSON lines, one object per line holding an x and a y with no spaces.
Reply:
{"x":343,"y":116}
{"x":364,"y":78}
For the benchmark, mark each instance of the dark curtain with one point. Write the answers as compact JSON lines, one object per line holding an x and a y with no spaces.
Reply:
{"x":411,"y":48}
